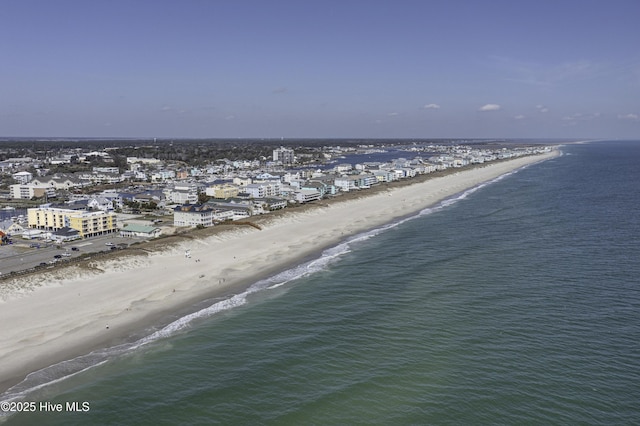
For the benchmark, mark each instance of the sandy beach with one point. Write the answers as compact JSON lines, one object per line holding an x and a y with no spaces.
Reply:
{"x":50,"y":318}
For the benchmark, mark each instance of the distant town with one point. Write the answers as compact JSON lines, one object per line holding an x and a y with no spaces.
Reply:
{"x":75,"y":190}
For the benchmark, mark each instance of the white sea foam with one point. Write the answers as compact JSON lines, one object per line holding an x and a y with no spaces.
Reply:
{"x":66,"y":369}
{"x":185,"y":321}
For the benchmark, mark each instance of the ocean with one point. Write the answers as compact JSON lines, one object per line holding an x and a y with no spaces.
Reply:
{"x":517,"y":302}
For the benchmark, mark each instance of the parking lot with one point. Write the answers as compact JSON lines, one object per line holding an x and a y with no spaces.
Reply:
{"x":27,"y":254}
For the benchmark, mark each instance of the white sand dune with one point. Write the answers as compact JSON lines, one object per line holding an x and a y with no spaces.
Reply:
{"x":46,"y":319}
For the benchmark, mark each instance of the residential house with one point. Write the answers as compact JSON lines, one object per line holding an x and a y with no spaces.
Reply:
{"x":366,"y":180}
{"x":263,"y":189}
{"x":192,"y":215}
{"x":113,"y":197}
{"x":268,"y":177}
{"x":100,"y":203}
{"x":343,"y":168}
{"x":289,"y":176}
{"x":307,"y":195}
{"x":163,"y":175}
{"x":100,"y":177}
{"x":10,"y":227}
{"x":242,"y":181}
{"x":351,"y":182}
{"x":61,"y":159}
{"x":346,"y":183}
{"x":134,"y":175}
{"x":237,"y":208}
{"x":200,"y":215}
{"x":5,"y":224}
{"x":111,"y":170}
{"x":146,"y":198}
{"x":273,"y":203}
{"x":384,"y":175}
{"x":65,"y":234}
{"x":14,"y":229}
{"x":317,"y":185}
{"x":408,"y":172}
{"x":181,"y":194}
{"x":59,"y":181}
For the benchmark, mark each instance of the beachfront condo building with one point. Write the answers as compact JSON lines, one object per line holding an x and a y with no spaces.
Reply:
{"x":87,"y":223}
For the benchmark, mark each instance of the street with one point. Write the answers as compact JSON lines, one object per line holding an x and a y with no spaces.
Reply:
{"x":21,"y":255}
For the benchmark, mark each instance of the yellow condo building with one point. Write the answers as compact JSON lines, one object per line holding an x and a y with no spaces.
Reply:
{"x":222,"y":191}
{"x":87,"y":223}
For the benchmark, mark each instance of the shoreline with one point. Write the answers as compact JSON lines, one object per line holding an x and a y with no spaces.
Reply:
{"x":125,"y":299}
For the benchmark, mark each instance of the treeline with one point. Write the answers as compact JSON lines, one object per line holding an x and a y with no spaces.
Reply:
{"x":193,"y":151}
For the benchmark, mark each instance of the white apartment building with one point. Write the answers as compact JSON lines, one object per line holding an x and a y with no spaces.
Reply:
{"x":283,"y":155}
{"x":163,"y":175}
{"x":206,"y":215}
{"x":26,"y":192}
{"x":22,"y":177}
{"x":306,"y":195}
{"x":263,"y":190}
{"x":182,"y":194}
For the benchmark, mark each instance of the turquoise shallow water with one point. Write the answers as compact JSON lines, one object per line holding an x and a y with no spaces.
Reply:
{"x":517,"y":303}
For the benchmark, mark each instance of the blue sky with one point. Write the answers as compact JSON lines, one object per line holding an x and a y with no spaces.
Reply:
{"x":355,"y":69}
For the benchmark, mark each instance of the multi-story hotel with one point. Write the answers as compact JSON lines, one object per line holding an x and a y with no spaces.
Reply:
{"x":87,"y":223}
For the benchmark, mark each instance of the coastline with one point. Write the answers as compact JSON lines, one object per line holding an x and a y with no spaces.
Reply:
{"x":67,"y":315}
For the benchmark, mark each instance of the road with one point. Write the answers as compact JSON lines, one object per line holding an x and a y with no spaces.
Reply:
{"x":20,"y":256}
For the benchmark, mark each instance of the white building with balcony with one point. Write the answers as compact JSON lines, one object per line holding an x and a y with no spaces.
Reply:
{"x":22,"y":177}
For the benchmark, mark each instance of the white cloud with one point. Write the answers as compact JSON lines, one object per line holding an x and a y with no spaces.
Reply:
{"x":431,"y":106}
{"x":542,"y":108}
{"x":519,"y":117}
{"x":393,"y":114}
{"x":490,"y":107}
{"x":629,"y":117}
{"x":165,"y":108}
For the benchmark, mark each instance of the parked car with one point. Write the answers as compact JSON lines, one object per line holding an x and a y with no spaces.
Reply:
{"x":75,"y":249}
{"x":34,"y":245}
{"x":58,"y":256}
{"x":109,"y":244}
